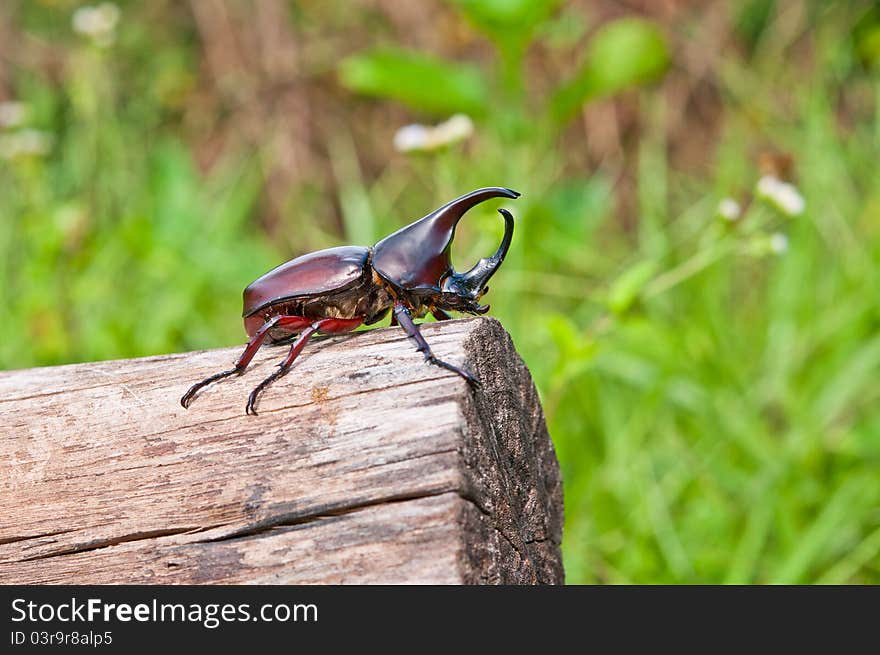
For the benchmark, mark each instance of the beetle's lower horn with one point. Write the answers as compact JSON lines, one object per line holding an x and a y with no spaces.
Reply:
{"x":471,"y":283}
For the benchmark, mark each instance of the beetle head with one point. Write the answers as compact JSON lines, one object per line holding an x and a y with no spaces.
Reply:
{"x":416,"y":258}
{"x":462,"y":290}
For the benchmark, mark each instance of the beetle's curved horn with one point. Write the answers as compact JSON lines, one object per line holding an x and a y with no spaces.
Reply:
{"x":472,"y":283}
{"x":417,"y":256}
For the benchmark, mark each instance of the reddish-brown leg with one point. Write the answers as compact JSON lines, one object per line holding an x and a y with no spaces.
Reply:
{"x":440,"y":315}
{"x":324,"y":326}
{"x":289,"y":322}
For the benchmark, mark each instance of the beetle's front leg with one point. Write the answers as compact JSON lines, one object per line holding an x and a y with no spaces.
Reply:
{"x":412,"y":330}
{"x":289,"y":322}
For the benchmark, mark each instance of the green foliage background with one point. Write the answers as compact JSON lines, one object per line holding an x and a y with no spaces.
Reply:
{"x":711,"y":386}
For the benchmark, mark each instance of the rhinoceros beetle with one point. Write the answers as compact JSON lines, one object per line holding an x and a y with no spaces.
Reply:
{"x":335,"y":290}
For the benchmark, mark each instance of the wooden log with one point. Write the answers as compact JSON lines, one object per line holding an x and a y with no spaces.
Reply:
{"x":365,"y":465}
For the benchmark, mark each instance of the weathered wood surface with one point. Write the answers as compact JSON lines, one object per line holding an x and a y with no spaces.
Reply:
{"x":365,"y":465}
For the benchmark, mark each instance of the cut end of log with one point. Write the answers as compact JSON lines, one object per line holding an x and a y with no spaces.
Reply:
{"x":365,"y":465}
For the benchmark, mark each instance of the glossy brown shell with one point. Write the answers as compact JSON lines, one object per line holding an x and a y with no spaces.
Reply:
{"x":321,"y":272}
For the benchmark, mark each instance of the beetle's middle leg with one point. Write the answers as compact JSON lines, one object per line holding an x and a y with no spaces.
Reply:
{"x":324,"y":326}
{"x":412,"y":330}
{"x":288,"y":322}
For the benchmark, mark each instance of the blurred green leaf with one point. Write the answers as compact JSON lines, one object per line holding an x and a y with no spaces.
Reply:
{"x":624,"y":53}
{"x":868,"y":47}
{"x":752,"y":20}
{"x":567,"y":214}
{"x":629,"y":285}
{"x":866,"y":38}
{"x":494,"y":15}
{"x":576,"y":351}
{"x":511,"y":25}
{"x":564,"y":30}
{"x":420,"y":81}
{"x":507,"y":19}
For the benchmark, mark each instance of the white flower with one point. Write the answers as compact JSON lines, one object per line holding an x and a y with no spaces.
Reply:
{"x":412,"y":137}
{"x":729,"y":209}
{"x":778,"y":243}
{"x":12,"y":113}
{"x":427,"y":138}
{"x":767,"y":186}
{"x":458,"y":128}
{"x":790,"y":200}
{"x":98,"y":22}
{"x":25,"y":143}
{"x":782,"y":195}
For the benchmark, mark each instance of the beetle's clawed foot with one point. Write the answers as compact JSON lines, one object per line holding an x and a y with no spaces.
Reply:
{"x":190,"y":395}
{"x":251,"y":407}
{"x":470,"y":379}
{"x":473,"y":382}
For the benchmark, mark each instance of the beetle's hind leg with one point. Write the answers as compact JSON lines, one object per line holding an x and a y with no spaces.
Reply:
{"x":190,"y":395}
{"x":283,"y":368}
{"x":289,"y":322}
{"x":325,"y":326}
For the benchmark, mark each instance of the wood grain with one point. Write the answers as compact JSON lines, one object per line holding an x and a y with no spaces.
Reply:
{"x":365,"y":465}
